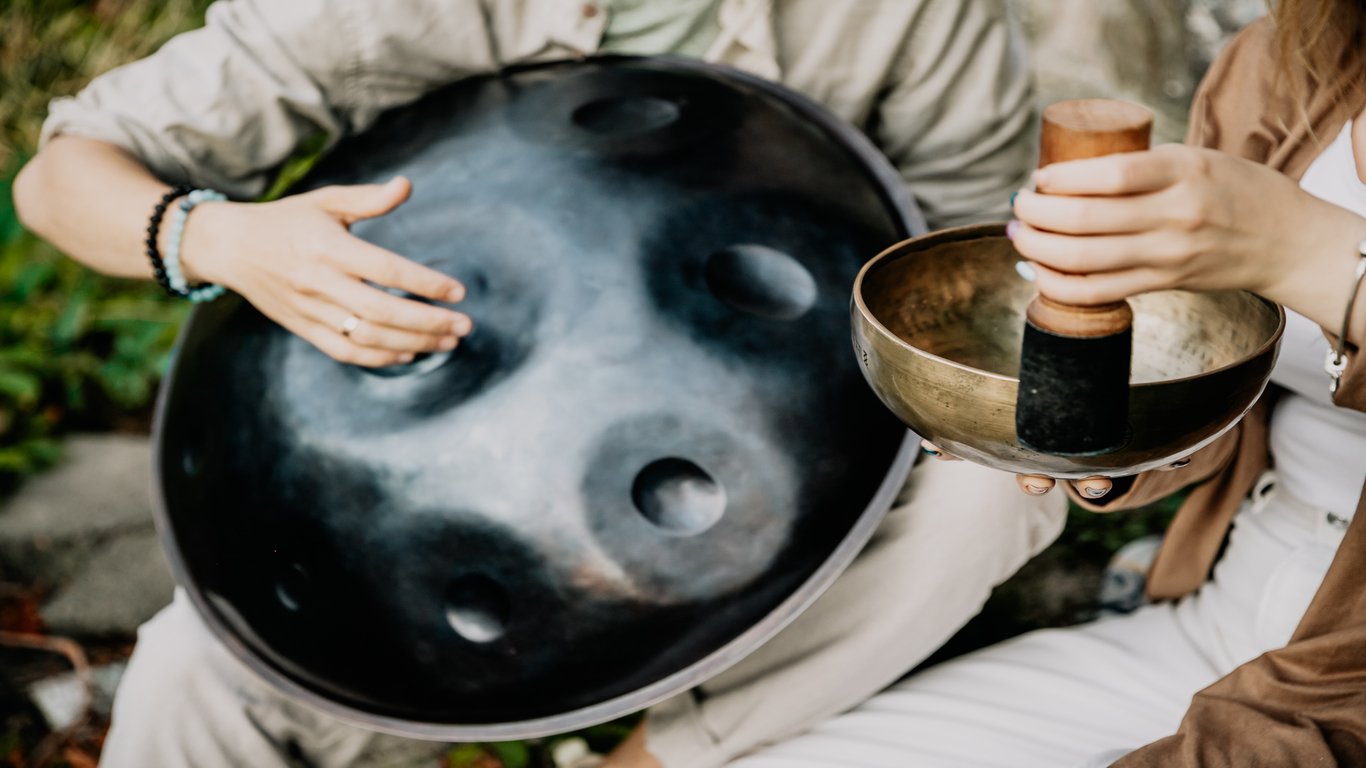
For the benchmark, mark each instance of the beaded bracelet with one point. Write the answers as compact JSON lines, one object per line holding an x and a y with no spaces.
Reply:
{"x":154,"y":229}
{"x":175,"y":276}
{"x":1336,"y":363}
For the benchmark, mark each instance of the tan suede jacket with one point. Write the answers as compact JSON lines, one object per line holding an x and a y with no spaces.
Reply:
{"x":1304,"y":704}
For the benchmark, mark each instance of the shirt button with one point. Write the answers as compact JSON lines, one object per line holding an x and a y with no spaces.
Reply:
{"x":589,"y":10}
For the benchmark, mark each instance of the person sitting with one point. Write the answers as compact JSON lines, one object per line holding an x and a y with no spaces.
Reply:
{"x":1263,"y":661}
{"x":941,"y":88}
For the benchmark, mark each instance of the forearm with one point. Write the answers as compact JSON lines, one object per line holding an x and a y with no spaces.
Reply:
{"x":92,"y":200}
{"x":1319,"y":270}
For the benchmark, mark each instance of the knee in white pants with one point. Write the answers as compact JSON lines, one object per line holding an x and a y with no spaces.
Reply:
{"x":181,"y":696}
{"x":177,"y":656}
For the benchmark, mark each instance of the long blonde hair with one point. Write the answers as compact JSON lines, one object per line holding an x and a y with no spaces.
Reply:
{"x":1324,"y":40}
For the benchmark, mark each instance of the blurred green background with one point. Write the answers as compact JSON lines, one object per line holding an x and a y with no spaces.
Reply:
{"x":78,"y":351}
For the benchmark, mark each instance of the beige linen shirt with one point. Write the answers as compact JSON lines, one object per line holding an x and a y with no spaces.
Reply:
{"x":941,"y":86}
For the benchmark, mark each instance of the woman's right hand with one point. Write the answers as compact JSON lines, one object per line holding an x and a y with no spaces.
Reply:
{"x":296,"y":261}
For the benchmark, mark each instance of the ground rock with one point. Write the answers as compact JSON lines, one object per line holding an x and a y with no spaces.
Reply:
{"x":55,"y":522}
{"x":124,"y":583}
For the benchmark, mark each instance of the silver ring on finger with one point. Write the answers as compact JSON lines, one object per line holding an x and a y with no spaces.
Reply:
{"x":349,"y":325}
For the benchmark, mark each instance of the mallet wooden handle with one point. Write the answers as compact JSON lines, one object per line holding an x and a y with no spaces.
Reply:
{"x":1074,"y":365}
{"x":1076,"y":130}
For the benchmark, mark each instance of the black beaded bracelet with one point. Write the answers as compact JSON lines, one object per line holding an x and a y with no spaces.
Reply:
{"x":154,"y":230}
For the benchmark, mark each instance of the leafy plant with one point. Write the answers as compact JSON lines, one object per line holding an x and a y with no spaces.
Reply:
{"x":1098,"y":535}
{"x":77,"y":350}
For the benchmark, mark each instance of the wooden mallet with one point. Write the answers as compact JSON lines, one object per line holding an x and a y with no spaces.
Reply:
{"x":1074,"y":364}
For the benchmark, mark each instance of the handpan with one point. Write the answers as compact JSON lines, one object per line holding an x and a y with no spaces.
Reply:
{"x":651,"y":454}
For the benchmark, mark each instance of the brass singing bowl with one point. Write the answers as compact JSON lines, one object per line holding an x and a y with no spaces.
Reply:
{"x":937,"y":325}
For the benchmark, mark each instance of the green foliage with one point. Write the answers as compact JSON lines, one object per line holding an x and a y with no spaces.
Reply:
{"x":512,"y":754}
{"x":77,"y":350}
{"x":1096,"y":536}
{"x":52,"y":48}
{"x":536,"y":753}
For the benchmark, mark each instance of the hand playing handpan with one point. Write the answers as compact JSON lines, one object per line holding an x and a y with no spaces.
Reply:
{"x":296,"y":261}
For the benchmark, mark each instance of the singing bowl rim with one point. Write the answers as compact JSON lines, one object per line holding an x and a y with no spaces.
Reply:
{"x":900,"y":206}
{"x":998,"y":229}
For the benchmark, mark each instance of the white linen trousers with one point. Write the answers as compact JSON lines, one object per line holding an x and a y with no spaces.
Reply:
{"x":1085,"y":696}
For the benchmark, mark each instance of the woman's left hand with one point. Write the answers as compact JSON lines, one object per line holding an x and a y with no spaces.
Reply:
{"x":1183,"y":217}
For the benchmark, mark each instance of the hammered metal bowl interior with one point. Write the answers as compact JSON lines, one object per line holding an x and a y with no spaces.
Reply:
{"x":938,"y":322}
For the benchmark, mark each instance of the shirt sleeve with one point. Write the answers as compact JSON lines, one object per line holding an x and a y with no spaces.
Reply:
{"x":958,"y":120}
{"x":224,"y":105}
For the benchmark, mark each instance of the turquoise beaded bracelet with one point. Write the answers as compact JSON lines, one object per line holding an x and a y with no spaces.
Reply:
{"x":199,"y":292}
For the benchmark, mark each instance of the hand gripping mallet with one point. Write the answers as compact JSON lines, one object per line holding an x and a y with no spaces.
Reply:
{"x":1074,"y":363}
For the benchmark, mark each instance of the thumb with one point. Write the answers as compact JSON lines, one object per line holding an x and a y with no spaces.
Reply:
{"x":354,"y":202}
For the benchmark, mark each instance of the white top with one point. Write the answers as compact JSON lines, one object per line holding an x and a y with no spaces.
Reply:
{"x":1319,"y":449}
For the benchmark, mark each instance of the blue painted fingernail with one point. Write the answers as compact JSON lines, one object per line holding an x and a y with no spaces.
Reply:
{"x":931,"y":452}
{"x":1013,"y":195}
{"x":1026,"y":270}
{"x":1012,"y":228}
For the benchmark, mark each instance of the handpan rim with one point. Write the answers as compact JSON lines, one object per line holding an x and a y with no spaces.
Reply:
{"x":900,"y":205}
{"x":708,"y":667}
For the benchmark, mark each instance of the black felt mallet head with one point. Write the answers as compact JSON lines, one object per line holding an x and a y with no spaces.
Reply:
{"x":1074,"y":362}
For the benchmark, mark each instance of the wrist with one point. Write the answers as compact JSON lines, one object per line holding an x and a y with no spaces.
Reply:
{"x":1317,"y":272}
{"x":201,"y":244}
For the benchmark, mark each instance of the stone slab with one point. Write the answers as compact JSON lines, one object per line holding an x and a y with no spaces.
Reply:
{"x":124,"y":583}
{"x":54,"y":523}
{"x":61,"y":698}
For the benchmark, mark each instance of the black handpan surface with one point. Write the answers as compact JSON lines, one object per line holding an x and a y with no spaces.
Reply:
{"x":653,"y":451}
